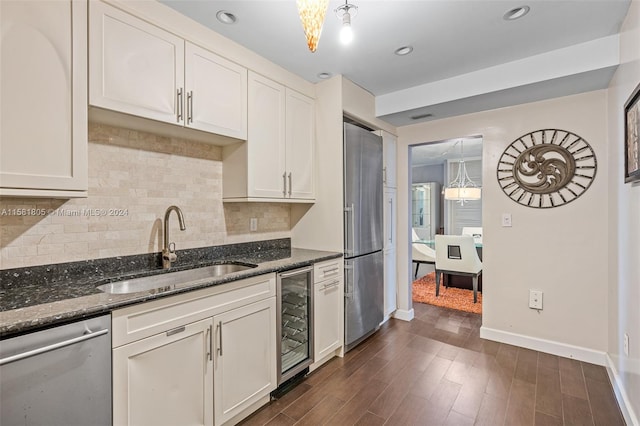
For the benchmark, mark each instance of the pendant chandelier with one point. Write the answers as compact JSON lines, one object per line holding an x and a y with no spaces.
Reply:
{"x":312,"y":14}
{"x":462,"y":188}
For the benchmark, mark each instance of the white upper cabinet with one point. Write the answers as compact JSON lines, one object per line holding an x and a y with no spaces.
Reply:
{"x":266,"y":139}
{"x":43,"y":79}
{"x":216,"y":93}
{"x":277,"y":161}
{"x":140,"y":69}
{"x":134,"y":67}
{"x":300,"y":145}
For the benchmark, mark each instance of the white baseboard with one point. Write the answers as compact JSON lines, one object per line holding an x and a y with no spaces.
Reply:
{"x":543,"y":345}
{"x":629,"y":415}
{"x":403,"y":314}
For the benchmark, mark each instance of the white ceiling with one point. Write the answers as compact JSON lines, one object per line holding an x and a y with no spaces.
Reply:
{"x":454,"y":42}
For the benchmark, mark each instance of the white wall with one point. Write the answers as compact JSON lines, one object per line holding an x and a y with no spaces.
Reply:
{"x":624,"y":227}
{"x":561,"y":251}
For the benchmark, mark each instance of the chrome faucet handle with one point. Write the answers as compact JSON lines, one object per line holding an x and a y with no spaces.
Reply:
{"x":169,"y":254}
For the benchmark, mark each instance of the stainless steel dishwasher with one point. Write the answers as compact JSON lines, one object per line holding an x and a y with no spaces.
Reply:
{"x":59,"y":376}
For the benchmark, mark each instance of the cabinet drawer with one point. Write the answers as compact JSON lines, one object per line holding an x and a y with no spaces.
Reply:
{"x":146,"y":319}
{"x":328,"y":269}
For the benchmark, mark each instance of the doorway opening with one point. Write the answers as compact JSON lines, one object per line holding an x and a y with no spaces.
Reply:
{"x":433,"y":168}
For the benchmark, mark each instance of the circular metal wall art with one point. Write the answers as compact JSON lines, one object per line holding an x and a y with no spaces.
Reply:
{"x":547,"y":168}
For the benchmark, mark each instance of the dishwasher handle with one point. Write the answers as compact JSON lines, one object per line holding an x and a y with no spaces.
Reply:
{"x":52,"y":347}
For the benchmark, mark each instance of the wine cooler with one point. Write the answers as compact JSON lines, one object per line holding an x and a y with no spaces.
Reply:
{"x":295,"y":324}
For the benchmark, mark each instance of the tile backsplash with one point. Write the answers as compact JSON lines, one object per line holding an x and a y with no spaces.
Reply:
{"x":133,"y":178}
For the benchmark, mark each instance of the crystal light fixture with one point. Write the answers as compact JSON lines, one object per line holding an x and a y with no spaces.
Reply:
{"x":312,"y":14}
{"x":462,"y":188}
{"x":344,"y":13}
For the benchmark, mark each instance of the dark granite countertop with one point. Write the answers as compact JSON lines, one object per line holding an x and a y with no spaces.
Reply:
{"x":39,"y":297}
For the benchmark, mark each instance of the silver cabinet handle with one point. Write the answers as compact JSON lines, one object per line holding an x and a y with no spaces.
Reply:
{"x":190,"y":107}
{"x":179,"y":108}
{"x":331,"y":285}
{"x":289,"y":184}
{"x":209,"y":344}
{"x":331,"y":271}
{"x":175,"y":331}
{"x":52,"y":347}
{"x":284,"y":184}
{"x":391,"y":221}
{"x":220,"y":345}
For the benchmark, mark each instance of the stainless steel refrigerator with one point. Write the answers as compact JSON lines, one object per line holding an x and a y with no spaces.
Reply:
{"x":363,"y":234}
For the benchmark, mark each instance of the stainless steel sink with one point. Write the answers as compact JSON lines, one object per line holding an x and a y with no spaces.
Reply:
{"x":170,"y":280}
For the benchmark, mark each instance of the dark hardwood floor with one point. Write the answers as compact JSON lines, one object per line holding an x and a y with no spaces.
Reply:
{"x":436,"y":370}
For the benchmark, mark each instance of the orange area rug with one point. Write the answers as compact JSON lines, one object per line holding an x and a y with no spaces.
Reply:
{"x":424,"y":291}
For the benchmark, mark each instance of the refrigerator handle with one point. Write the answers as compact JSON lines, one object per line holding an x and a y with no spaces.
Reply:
{"x":350,"y":222}
{"x":348,"y":280}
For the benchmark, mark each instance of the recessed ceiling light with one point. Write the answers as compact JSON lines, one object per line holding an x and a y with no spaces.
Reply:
{"x":404,"y":50}
{"x":324,"y":75}
{"x":226,"y":17}
{"x":516,"y":13}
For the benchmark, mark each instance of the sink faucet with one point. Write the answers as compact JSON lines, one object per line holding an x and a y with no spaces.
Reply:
{"x":169,"y":250}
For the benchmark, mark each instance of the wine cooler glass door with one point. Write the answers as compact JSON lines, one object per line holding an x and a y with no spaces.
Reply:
{"x":296,"y":327}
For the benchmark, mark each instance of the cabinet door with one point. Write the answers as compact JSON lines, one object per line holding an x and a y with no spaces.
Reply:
{"x":266,"y":138}
{"x":166,"y":379}
{"x":43,"y":136}
{"x":390,"y":287}
{"x":390,"y":231}
{"x":389,"y":159}
{"x":216,"y":93}
{"x":328,"y":300}
{"x":300,"y":145}
{"x":134,"y":67}
{"x":244,"y":357}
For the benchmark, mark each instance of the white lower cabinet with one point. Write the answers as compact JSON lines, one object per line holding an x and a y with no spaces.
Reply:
{"x":207,"y":357}
{"x":245,"y":368}
{"x":328,"y":307}
{"x":166,"y":379}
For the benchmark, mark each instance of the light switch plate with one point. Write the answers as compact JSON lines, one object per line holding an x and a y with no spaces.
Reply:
{"x":506,"y":220}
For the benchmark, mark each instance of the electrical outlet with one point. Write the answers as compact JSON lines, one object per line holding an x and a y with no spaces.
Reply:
{"x":626,"y":344}
{"x":506,"y":220}
{"x":253,"y":224}
{"x":535,"y":299}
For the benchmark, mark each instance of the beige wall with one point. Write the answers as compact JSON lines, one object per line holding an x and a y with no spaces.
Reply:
{"x":561,"y":251}
{"x":141,"y":175}
{"x":624,"y":225}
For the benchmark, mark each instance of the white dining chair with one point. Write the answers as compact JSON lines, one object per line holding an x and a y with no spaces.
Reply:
{"x":421,"y":253}
{"x":457,"y":255}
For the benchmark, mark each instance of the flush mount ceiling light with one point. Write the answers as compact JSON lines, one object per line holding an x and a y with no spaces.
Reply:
{"x":404,"y":50}
{"x":226,"y":17}
{"x":516,"y":13}
{"x":324,"y":75}
{"x":345,"y":13}
{"x":462,"y":188}
{"x":312,"y":14}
